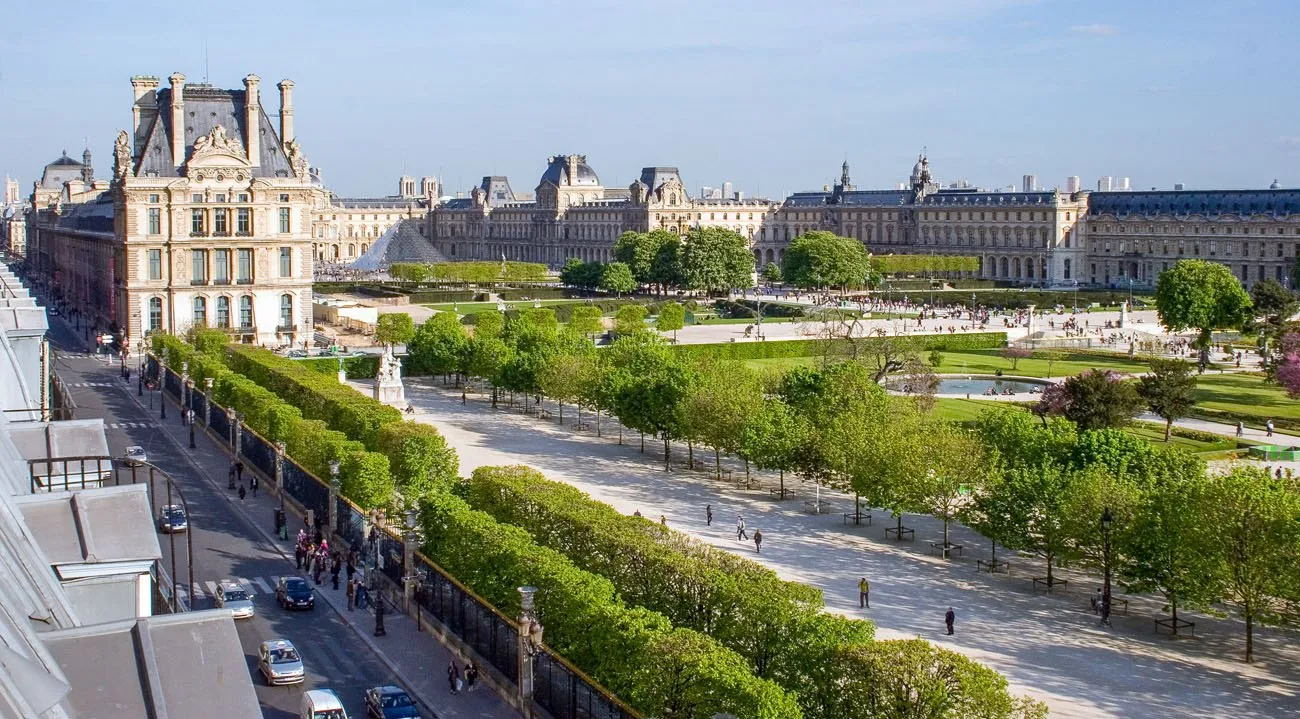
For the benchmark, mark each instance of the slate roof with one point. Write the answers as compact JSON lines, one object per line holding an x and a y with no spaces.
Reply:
{"x":1280,"y":203}
{"x":653,"y":177}
{"x":497,"y":188}
{"x":205,"y":108}
{"x":978,"y":197}
{"x":558,"y":170}
{"x":93,"y":216}
{"x":64,"y":161}
{"x":111,"y":524}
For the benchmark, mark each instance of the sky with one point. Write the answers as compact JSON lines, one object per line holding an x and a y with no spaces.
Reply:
{"x":771,"y":96}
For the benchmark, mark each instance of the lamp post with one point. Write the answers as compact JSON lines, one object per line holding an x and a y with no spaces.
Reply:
{"x":409,"y":575}
{"x":185,"y":391}
{"x":279,"y":471}
{"x":530,"y":645}
{"x":139,"y":374}
{"x":162,"y":379}
{"x":207,"y":402}
{"x":1106,"y":521}
{"x":189,"y":412}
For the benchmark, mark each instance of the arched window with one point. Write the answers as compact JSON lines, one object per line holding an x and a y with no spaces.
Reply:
{"x":200,"y":312}
{"x":223,"y":312}
{"x":246,"y":312}
{"x":286,"y":311}
{"x":155,"y":314}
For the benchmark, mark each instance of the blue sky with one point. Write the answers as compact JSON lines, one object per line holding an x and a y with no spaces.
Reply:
{"x":769,"y":95}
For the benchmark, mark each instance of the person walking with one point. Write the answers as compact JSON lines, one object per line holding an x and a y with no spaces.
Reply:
{"x":239,"y":471}
{"x":864,"y":594}
{"x":241,"y":492}
{"x":352,"y":594}
{"x":231,"y":475}
{"x":336,"y":566}
{"x":299,"y":553}
{"x":471,"y":676}
{"x":758,"y":540}
{"x":363,"y":594}
{"x":740,"y":528}
{"x":1269,"y":426}
{"x":663,"y":519}
{"x":949,"y":618}
{"x":708,"y":515}
{"x":252,"y":483}
{"x":1241,"y":428}
{"x":453,"y":677}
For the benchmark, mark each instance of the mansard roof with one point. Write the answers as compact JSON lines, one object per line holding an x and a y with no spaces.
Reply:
{"x":653,"y":177}
{"x":557,"y":172}
{"x":205,"y":108}
{"x":1200,"y":202}
{"x":979,"y":197}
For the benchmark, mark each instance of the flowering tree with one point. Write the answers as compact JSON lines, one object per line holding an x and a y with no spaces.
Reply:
{"x":1014,"y":355}
{"x":1288,"y":372}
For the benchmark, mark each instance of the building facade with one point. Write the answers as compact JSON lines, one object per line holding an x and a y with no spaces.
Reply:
{"x":207,"y":221}
{"x":344,"y":228}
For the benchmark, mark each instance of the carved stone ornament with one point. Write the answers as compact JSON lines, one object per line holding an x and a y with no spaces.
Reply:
{"x":297,"y":160}
{"x":216,"y":141}
{"x":122,"y":155}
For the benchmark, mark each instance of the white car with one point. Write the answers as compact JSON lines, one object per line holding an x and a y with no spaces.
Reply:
{"x":135,"y":456}
{"x":235,"y":598}
{"x":280,"y":662}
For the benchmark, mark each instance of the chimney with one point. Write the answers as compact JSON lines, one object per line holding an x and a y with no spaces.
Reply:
{"x":286,"y":111}
{"x":144,"y":109}
{"x":252,"y":119}
{"x":178,"y":119}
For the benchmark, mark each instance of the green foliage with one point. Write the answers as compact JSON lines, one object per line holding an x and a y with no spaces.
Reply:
{"x":772,"y":273}
{"x":438,"y":346}
{"x":617,"y":277}
{"x":469,"y":272}
{"x":820,"y":259}
{"x":585,"y":320}
{"x":924,"y":264}
{"x":489,"y":324}
{"x":1169,"y":390}
{"x":636,"y":653}
{"x":630,"y":320}
{"x":584,"y":275}
{"x":357,"y":367}
{"x":1200,"y":295}
{"x":394,"y":328}
{"x":716,"y":260}
{"x":723,"y":398}
{"x":647,"y":386}
{"x":1096,"y":400}
{"x":1273,"y":302}
{"x":672,"y":317}
{"x":818,"y":347}
{"x":420,"y":459}
{"x":209,"y":341}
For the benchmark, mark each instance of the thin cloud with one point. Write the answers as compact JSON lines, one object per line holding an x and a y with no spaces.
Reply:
{"x":1095,"y":29}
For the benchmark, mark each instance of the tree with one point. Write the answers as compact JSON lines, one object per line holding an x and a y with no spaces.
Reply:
{"x":946,"y":469}
{"x":772,"y":273}
{"x":564,"y":374}
{"x":641,"y":251}
{"x":723,"y":397}
{"x":484,"y":358}
{"x":1092,"y":400}
{"x":1255,"y":524}
{"x":1014,"y":355}
{"x":1038,"y":501}
{"x":630,"y":319}
{"x":822,"y":259}
{"x":585,"y":320}
{"x":439,"y":344}
{"x":672,"y":317}
{"x":394,"y":328}
{"x":1169,"y":390}
{"x":666,"y":271}
{"x":617,"y":278}
{"x":772,"y":438}
{"x":421,"y":461}
{"x":1288,"y":370}
{"x":1275,"y":303}
{"x":571,"y":272}
{"x":716,"y":260}
{"x":648,"y":386}
{"x":489,"y":324}
{"x":1050,"y":357}
{"x":1200,"y":295}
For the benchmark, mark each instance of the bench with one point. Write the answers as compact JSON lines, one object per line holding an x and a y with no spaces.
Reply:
{"x":582,"y":426}
{"x":901,"y":532}
{"x":857,"y":518}
{"x":992,"y":566}
{"x":1046,"y":586}
{"x":746,"y":482}
{"x":944,"y":550}
{"x":726,"y":475}
{"x":815,"y":506}
{"x":544,"y":413}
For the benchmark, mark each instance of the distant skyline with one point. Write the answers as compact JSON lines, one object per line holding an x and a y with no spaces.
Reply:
{"x":769,"y":96}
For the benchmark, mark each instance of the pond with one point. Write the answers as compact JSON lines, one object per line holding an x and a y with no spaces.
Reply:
{"x":977,"y":386}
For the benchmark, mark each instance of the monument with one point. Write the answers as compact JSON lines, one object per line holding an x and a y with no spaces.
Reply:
{"x":388,"y":380}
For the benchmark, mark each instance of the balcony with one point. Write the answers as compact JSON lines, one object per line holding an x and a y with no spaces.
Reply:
{"x":198,"y":233}
{"x":221,"y":281}
{"x":244,"y":281}
{"x":243,"y":233}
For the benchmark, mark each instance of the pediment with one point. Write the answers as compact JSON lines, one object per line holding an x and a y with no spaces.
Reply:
{"x":216,"y":154}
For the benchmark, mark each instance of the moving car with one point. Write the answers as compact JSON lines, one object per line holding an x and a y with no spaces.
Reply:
{"x":280,"y":663}
{"x":390,"y":702}
{"x":235,"y":598}
{"x":321,"y":704}
{"x":172,"y":519}
{"x":135,"y":456}
{"x":295,"y":593}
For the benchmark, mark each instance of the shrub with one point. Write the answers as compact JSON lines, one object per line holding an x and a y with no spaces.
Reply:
{"x":420,"y":458}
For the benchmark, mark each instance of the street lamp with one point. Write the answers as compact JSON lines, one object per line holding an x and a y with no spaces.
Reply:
{"x":139,"y":374}
{"x":162,"y":379}
{"x":530,"y":645}
{"x":1106,"y":520}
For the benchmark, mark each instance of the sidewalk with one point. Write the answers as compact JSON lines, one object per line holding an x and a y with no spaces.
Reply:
{"x":417,"y":659}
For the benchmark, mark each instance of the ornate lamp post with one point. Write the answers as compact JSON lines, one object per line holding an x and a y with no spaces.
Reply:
{"x":530,"y":645}
{"x":207,"y":401}
{"x":410,"y":576}
{"x":1106,"y":521}
{"x":185,"y":391}
{"x":189,"y":413}
{"x":139,"y":374}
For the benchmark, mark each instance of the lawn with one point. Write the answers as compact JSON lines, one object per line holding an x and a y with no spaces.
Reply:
{"x":466,"y":308}
{"x":1245,"y":394}
{"x":989,"y":361}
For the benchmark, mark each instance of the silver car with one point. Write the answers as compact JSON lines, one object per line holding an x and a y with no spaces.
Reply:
{"x":172,"y":519}
{"x":235,"y":598}
{"x":280,"y":662}
{"x":135,"y":455}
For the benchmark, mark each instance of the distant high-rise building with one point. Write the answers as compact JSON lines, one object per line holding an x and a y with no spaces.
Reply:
{"x":1104,"y":184}
{"x":11,"y":192}
{"x":726,"y":191}
{"x":1123,"y":185}
{"x":1179,"y":187}
{"x":1030,"y":183}
{"x":710,"y":193}
{"x":1072,"y":184}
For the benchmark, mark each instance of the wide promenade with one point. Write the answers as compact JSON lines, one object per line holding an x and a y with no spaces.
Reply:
{"x":1047,"y":646}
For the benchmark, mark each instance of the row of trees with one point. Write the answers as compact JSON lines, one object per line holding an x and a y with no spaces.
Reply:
{"x":468,"y":272}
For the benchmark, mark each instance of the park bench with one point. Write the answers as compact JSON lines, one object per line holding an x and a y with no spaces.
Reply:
{"x":857,"y":517}
{"x":900,"y":533}
{"x":944,"y":550}
{"x":1118,"y":605}
{"x":544,"y":413}
{"x":726,"y":475}
{"x":582,"y":426}
{"x":816,"y":506}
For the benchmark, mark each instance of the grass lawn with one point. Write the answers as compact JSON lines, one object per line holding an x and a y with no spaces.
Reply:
{"x":989,"y":361}
{"x":465,"y":308}
{"x":1247,"y":394}
{"x":963,"y":410}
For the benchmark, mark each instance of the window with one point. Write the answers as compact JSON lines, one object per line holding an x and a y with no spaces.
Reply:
{"x":221,"y":223}
{"x":200,"y":312}
{"x":223,"y":311}
{"x":243,"y":197}
{"x":221,"y":198}
{"x":284,"y":220}
{"x":198,"y":267}
{"x":196,"y":223}
{"x":244,"y":268}
{"x":286,"y":262}
{"x":155,"y":264}
{"x":155,"y":220}
{"x":153,"y":199}
{"x":242,"y":222}
{"x":245,"y":312}
{"x":221,"y":267}
{"x":155,"y":314}
{"x":286,"y":311}
{"x":284,"y":197}
{"x":196,"y":197}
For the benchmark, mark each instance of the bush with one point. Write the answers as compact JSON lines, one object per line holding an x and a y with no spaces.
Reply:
{"x":634,"y":652}
{"x":356,"y":367}
{"x":815,"y":348}
{"x":419,"y":457}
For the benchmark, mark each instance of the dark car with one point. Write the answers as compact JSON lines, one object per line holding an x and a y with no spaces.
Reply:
{"x":390,"y":702}
{"x":295,"y":593}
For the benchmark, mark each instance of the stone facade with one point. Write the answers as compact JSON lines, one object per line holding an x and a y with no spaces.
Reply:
{"x":344,"y":228}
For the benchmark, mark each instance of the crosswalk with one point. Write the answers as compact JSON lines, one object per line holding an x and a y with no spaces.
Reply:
{"x":94,"y":384}
{"x":130,"y":425}
{"x":254,"y":586}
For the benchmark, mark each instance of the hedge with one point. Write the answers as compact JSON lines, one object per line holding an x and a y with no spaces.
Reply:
{"x":778,"y":349}
{"x":469,"y":272}
{"x":636,"y":653}
{"x":356,"y":367}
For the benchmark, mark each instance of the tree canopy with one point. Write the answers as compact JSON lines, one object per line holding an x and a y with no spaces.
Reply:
{"x":823,"y":259}
{"x":394,"y":328}
{"x":716,"y":260}
{"x":1200,"y":295}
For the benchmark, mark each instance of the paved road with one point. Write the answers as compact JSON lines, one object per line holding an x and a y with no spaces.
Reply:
{"x":226,"y":547}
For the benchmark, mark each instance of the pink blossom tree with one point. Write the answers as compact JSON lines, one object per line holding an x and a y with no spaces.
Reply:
{"x":1288,"y":372}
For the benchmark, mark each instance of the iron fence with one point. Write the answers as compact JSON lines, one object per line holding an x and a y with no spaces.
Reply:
{"x":303,"y":486}
{"x":350,"y":523}
{"x":392,"y":555}
{"x":219,"y":423}
{"x":480,"y":627}
{"x":565,"y":694}
{"x":257,"y":451}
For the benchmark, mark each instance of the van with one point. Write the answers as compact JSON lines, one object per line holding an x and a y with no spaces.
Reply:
{"x":321,"y":704}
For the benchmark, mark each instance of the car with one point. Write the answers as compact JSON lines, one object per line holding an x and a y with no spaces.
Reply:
{"x":235,"y":598}
{"x":54,"y":311}
{"x":172,"y":519}
{"x":279,"y":662}
{"x":135,"y":456}
{"x":390,"y":702}
{"x":295,"y":593}
{"x":321,"y":704}
{"x":297,"y":354}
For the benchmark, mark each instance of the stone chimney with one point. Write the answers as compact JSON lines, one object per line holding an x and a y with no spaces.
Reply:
{"x":286,"y":111}
{"x":178,"y":118}
{"x":572,"y":161}
{"x":144,"y":110}
{"x":252,"y":119}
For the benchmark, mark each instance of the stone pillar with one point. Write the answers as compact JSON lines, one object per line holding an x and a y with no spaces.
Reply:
{"x":207,"y":401}
{"x":530,"y":643}
{"x":1031,"y":320}
{"x":178,"y":118}
{"x":237,"y":428}
{"x":286,"y":111}
{"x":1123,"y":314}
{"x":279,"y":470}
{"x":343,"y":373}
{"x":335,"y":486}
{"x":253,"y":119}
{"x":185,"y":391}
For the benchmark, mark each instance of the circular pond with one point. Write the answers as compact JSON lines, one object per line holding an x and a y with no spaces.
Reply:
{"x":989,"y":386}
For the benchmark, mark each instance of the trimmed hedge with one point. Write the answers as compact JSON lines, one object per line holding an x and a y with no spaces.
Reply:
{"x":634,"y":652}
{"x":778,"y":349}
{"x":356,"y":367}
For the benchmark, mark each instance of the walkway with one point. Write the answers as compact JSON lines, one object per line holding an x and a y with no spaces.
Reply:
{"x":1048,"y":647}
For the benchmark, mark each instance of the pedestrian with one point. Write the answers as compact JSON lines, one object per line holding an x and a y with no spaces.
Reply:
{"x":453,"y":677}
{"x":252,"y":483}
{"x":637,"y":513}
{"x":1269,"y":426}
{"x":949,"y":618}
{"x":708,"y":515}
{"x":1241,"y":428}
{"x":663,"y":519}
{"x":299,"y":553}
{"x":336,"y":566}
{"x":239,"y":470}
{"x":231,"y":474}
{"x":352,"y":565}
{"x":241,"y":492}
{"x":740,"y":528}
{"x":471,"y":676}
{"x":758,"y":540}
{"x":864,"y":594}
{"x":352,"y":594}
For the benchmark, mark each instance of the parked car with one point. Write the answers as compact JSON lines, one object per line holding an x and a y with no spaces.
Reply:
{"x":280,"y":662}
{"x":295,"y":593}
{"x":135,"y":456}
{"x":297,"y":354}
{"x":172,"y":519}
{"x":321,"y":704}
{"x":235,"y":598}
{"x":390,"y":702}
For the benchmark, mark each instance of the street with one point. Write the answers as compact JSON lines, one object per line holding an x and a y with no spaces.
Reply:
{"x":226,"y":546}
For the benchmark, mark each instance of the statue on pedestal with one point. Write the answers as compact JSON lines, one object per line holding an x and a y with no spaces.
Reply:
{"x":388,"y":380}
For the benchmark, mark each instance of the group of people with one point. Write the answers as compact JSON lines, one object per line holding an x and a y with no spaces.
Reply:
{"x":236,"y":474}
{"x":458,"y":680}
{"x":312,"y":554}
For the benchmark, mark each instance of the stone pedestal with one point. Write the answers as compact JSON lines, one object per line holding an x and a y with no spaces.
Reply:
{"x":388,"y":381}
